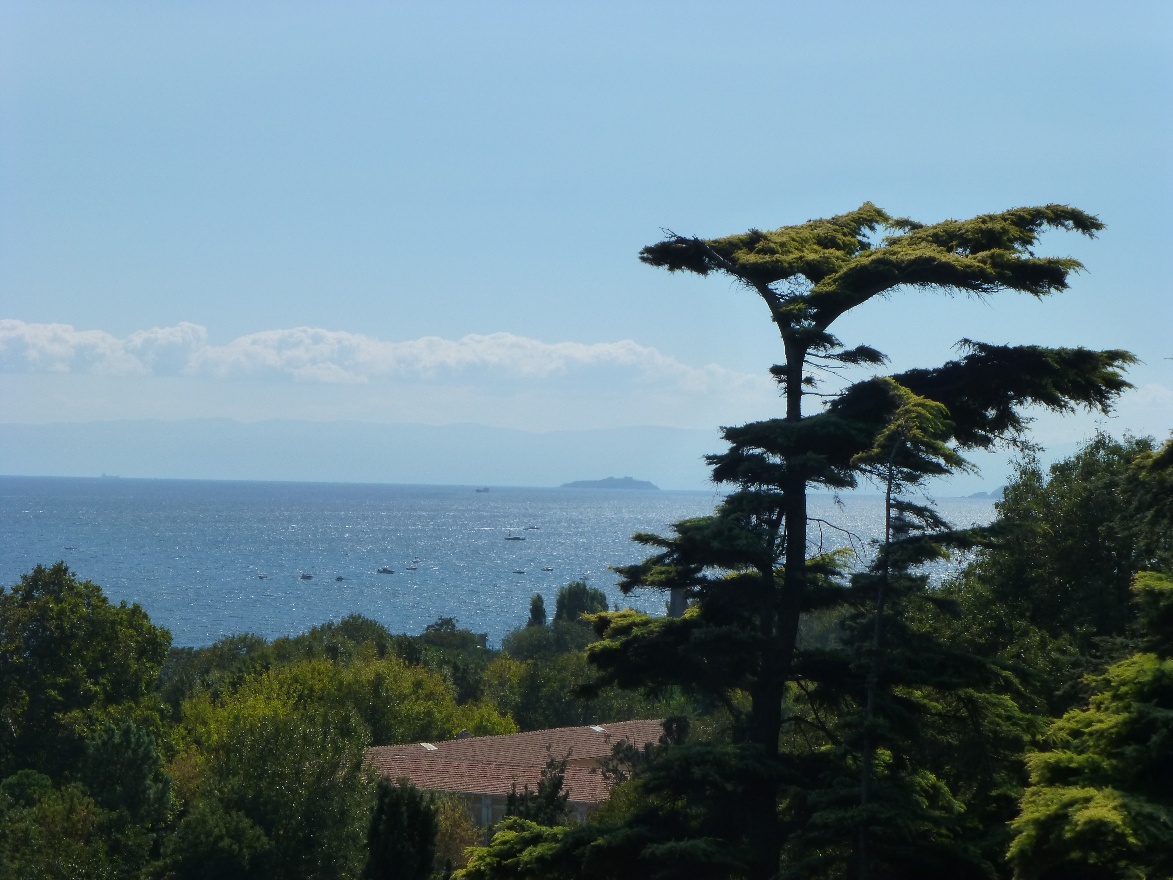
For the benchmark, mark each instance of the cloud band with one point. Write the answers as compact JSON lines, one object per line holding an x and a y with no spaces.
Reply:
{"x":309,"y":354}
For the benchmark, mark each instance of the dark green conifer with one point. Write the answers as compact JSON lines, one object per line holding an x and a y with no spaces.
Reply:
{"x":547,"y":805}
{"x":747,"y":569}
{"x":577,"y":599}
{"x":537,"y":611}
{"x":401,"y":843}
{"x":122,"y":770}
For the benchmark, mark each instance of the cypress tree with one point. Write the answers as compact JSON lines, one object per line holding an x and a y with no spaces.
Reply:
{"x":537,"y":611}
{"x":401,"y":843}
{"x":547,"y":805}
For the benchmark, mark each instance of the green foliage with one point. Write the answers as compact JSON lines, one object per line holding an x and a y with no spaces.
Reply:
{"x":280,"y":756}
{"x":1051,"y":592}
{"x":445,"y":634}
{"x":1073,"y":540}
{"x":897,"y":707}
{"x":538,"y":681}
{"x":48,"y":832}
{"x":1153,"y":501}
{"x":455,"y":833}
{"x":523,"y":850}
{"x":852,"y":724}
{"x":569,"y":632}
{"x":458,"y":655}
{"x":401,"y":842}
{"x":75,"y":679}
{"x":385,"y":678}
{"x":838,"y":266}
{"x":537,"y":611}
{"x":393,"y":701}
{"x":212,"y":841}
{"x":1100,"y":803}
{"x":544,"y":692}
{"x":122,"y":770}
{"x":69,"y":661}
{"x":1160,"y":462}
{"x":291,"y":768}
{"x":676,"y":818}
{"x":547,"y":805}
{"x":577,"y":599}
{"x":353,"y":638}
{"x":546,"y":642}
{"x":218,"y":669}
{"x":1154,"y":600}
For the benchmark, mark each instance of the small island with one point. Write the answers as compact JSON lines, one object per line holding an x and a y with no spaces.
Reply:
{"x":612,"y":483}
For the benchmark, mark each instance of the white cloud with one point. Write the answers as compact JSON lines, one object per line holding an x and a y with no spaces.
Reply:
{"x":166,"y":350}
{"x":314,"y":355}
{"x":1148,"y":410}
{"x":59,"y":348}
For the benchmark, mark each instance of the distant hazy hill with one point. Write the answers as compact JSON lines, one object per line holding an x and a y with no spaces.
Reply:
{"x":995,"y":495}
{"x":353,"y":452}
{"x":369,"y":452}
{"x":611,"y":483}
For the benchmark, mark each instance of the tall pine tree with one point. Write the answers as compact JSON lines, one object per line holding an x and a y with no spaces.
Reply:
{"x":746,"y":569}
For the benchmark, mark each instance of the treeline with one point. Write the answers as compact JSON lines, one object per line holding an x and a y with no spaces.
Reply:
{"x":868,"y":724}
{"x":845,"y":719}
{"x":1022,"y":726}
{"x":874,"y":728}
{"x":122,"y":757}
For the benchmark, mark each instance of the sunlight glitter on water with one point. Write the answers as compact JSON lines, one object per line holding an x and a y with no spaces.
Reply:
{"x":194,"y":554}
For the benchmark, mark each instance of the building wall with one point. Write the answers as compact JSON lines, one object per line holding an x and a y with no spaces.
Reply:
{"x":487,"y":810}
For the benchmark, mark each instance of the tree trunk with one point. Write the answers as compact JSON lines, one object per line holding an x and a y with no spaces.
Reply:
{"x":780,"y":624}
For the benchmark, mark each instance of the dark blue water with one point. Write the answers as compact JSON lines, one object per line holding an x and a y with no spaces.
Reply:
{"x":193,"y":553}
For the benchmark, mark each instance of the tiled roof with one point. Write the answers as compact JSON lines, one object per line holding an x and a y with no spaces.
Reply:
{"x":492,"y":764}
{"x":584,"y":784}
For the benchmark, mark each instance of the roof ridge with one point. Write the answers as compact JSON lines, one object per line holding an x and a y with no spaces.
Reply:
{"x":606,"y":725}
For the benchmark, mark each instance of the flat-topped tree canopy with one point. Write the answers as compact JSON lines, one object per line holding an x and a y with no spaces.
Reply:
{"x":984,"y":394}
{"x":811,"y":273}
{"x":829,"y":762}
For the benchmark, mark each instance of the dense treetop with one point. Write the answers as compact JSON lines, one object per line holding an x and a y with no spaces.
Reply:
{"x":837,"y":265}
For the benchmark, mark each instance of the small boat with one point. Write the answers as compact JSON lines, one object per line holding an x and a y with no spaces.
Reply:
{"x":306,"y":576}
{"x":514,"y":538}
{"x":385,"y":570}
{"x":411,"y":568}
{"x":547,"y":568}
{"x":519,"y":571}
{"x":482,"y":490}
{"x":532,"y":528}
{"x":262,"y":577}
{"x":339,"y":578}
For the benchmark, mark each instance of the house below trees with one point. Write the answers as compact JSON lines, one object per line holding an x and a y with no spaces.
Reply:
{"x":484,"y":769}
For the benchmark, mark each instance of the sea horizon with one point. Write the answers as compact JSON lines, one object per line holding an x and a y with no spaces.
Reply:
{"x":212,"y":558}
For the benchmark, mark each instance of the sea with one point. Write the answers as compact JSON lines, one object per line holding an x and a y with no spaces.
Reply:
{"x":208,"y":559}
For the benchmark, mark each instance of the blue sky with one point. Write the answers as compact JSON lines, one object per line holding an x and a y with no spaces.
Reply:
{"x":411,"y":212}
